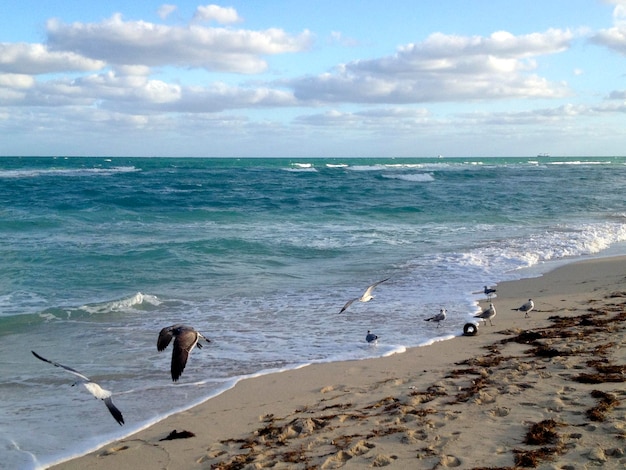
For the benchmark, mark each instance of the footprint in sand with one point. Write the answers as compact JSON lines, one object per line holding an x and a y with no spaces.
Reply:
{"x":337,"y":460}
{"x":500,"y":412}
{"x":360,"y":448}
{"x":449,"y":461}
{"x":112,"y":450}
{"x":383,"y":460}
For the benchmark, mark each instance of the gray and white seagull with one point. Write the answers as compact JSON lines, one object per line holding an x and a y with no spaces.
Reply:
{"x":186,"y":339}
{"x":441,"y":316}
{"x":527,"y":307}
{"x":91,"y":386}
{"x":487,"y":314}
{"x":366,"y":297}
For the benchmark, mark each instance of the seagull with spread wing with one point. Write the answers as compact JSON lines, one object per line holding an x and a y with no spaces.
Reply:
{"x":91,"y":386}
{"x":186,"y":339}
{"x":366,"y":297}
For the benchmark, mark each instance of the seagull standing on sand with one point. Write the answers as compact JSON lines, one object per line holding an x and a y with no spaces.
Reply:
{"x":441,"y":316}
{"x":489,"y":292}
{"x":371,"y":337}
{"x":526,"y":308}
{"x":487,"y":314}
{"x":366,"y":297}
{"x":186,"y":339}
{"x":92,"y":387}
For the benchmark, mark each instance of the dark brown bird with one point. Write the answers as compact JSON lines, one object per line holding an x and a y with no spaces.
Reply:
{"x":186,"y":338}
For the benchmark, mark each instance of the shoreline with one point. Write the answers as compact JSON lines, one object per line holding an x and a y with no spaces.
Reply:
{"x":454,"y":403}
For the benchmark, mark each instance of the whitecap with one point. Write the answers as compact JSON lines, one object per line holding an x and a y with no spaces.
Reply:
{"x":26,"y":173}
{"x":414,"y":177}
{"x":301,"y":169}
{"x":367,"y":167}
{"x":134,"y":301}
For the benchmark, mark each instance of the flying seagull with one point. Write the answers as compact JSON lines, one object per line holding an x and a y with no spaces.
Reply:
{"x":526,"y":308}
{"x":489,"y":292}
{"x":487,"y":314}
{"x":186,"y":339}
{"x":441,"y":316}
{"x":366,"y":297}
{"x":371,"y":337}
{"x":93,"y":388}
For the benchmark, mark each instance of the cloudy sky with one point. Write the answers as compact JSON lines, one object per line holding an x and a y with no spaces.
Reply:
{"x":293,"y":78}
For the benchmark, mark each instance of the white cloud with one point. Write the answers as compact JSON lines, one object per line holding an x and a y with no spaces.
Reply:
{"x":444,"y":68}
{"x":216,"y":13}
{"x":141,"y":43}
{"x":617,"y":95}
{"x":220,"y":97}
{"x":542,"y":116}
{"x":16,"y":80}
{"x":125,"y":92}
{"x":614,"y":38}
{"x":166,"y":10}
{"x":339,"y":38}
{"x":38,"y":59}
{"x":376,"y":118}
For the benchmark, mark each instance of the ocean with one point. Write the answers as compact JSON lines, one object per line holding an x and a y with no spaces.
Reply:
{"x":98,"y":254}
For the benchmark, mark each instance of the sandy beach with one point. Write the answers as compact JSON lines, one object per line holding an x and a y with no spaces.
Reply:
{"x":543,"y":391}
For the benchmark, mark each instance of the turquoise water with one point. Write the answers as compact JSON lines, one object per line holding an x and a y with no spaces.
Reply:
{"x":260,"y":255}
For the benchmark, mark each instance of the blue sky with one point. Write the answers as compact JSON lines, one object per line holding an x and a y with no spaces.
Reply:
{"x":313,"y":78}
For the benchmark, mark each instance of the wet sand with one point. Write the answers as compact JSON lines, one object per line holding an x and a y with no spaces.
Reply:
{"x":543,"y":391}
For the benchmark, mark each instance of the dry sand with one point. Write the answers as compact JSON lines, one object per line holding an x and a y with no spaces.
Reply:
{"x":545,"y":391}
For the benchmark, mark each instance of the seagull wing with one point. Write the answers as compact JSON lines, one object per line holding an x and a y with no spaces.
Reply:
{"x":56,"y":364}
{"x":165,"y":336}
{"x":92,"y":387}
{"x":105,"y":396}
{"x":368,"y":291}
{"x":183,"y":344}
{"x":117,"y":414}
{"x":348,"y":303}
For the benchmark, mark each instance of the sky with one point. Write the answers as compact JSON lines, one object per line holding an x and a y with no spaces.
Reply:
{"x":313,"y":78}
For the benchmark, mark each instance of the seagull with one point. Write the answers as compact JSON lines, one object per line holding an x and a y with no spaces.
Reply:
{"x":366,"y":297}
{"x":526,"y":308}
{"x":186,"y":339}
{"x":487,"y":314}
{"x":489,"y":292}
{"x":371,"y":337}
{"x":92,"y":387}
{"x":438,"y":318}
